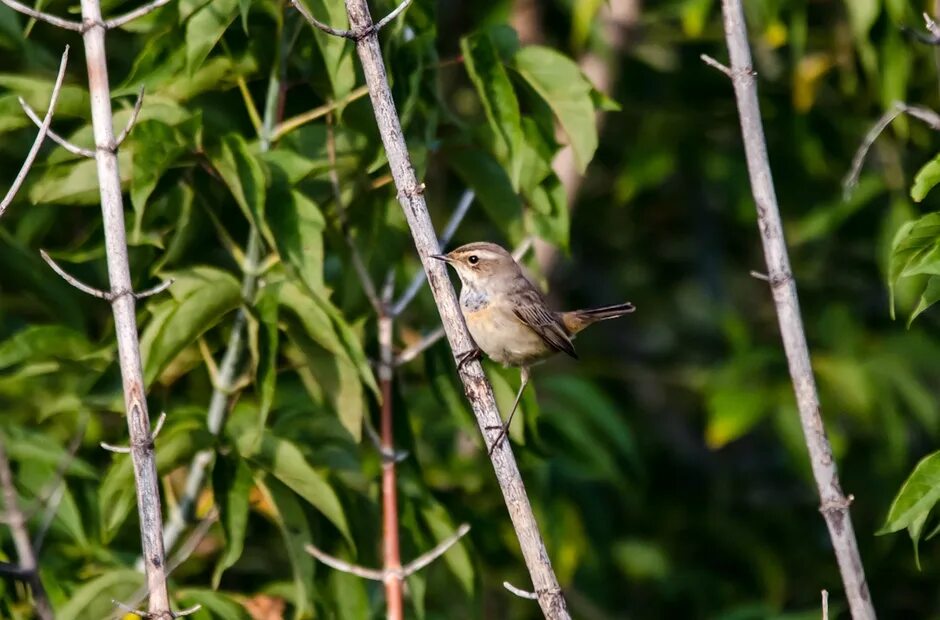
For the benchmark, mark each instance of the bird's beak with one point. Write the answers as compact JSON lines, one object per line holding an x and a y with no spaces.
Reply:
{"x":441,"y":257}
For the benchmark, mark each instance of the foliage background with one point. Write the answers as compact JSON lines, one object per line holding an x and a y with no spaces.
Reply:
{"x":666,"y":468}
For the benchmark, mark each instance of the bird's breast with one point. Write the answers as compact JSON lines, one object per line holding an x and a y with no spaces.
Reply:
{"x":502,"y":336}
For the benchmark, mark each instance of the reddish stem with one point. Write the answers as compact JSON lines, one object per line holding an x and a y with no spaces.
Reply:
{"x":390,"y":542}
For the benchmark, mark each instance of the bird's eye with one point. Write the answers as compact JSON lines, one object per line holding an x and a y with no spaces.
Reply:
{"x":473,"y":260}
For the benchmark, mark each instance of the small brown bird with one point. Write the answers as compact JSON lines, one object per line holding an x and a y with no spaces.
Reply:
{"x":507,"y":316}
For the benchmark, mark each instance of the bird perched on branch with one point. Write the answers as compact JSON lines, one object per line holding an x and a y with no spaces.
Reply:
{"x":507,"y":316}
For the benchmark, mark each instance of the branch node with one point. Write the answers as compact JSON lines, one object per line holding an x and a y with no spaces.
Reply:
{"x":411,"y":192}
{"x":90,"y":290}
{"x":89,"y":23}
{"x":157,"y":615}
{"x":147,"y":443}
{"x":838,"y":504}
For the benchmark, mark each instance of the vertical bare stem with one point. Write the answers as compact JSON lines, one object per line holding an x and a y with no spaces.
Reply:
{"x":26,"y":557}
{"x":834,"y":505}
{"x":390,"y":537}
{"x":125,"y":324}
{"x":477,"y":388}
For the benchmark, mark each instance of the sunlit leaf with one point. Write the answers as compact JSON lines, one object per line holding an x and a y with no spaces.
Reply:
{"x":917,"y":496}
{"x":559,"y":81}
{"x":95,"y":599}
{"x":925,"y":179}
{"x":244,"y":177}
{"x":204,"y":29}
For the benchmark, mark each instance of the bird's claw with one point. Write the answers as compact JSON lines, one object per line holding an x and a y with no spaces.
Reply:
{"x":468,"y":356}
{"x":500,"y":438}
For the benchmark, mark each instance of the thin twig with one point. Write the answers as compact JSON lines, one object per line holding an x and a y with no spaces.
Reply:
{"x":926,"y":115}
{"x":154,"y":290}
{"x":155,"y":616}
{"x":316,"y":23}
{"x":532,"y":596}
{"x":711,"y":62}
{"x":372,"y":574}
{"x":478,"y":390}
{"x":429,"y":556}
{"x":90,"y":290}
{"x":419,"y":347}
{"x":37,"y":143}
{"x":26,"y":555}
{"x":450,"y":229}
{"x":117,"y":22}
{"x":129,"y":449}
{"x":281,"y":129}
{"x":68,"y":146}
{"x":67,"y":24}
{"x":783,"y":288}
{"x":825,"y":605}
{"x":133,"y":119}
{"x":398,"y":10}
{"x":406,"y":571}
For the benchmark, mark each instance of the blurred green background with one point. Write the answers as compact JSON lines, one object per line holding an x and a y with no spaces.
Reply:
{"x":666,"y":468}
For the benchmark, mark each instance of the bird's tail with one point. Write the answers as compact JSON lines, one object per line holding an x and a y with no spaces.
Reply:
{"x":576,"y":320}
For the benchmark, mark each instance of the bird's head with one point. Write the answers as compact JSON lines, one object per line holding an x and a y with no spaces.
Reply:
{"x":479,"y":262}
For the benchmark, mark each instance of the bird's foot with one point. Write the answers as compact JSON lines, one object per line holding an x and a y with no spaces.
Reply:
{"x":500,"y":438}
{"x":468,"y":356}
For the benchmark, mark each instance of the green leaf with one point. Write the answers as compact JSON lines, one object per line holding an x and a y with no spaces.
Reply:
{"x":916,"y":496}
{"x":493,"y":188}
{"x":496,"y":93}
{"x":926,"y":178}
{"x":39,"y":342}
{"x":93,"y":599}
{"x":915,"y":250}
{"x":929,"y":297}
{"x":156,"y":147}
{"x":231,"y":484}
{"x":215,"y":605}
{"x":549,"y":213}
{"x":297,"y":227}
{"x":285,"y":461}
{"x":266,"y":310}
{"x":76,"y":182}
{"x":292,"y":522}
{"x":201,"y":297}
{"x":559,"y":81}
{"x":205,"y":27}
{"x":457,"y":558}
{"x":244,"y":7}
{"x":337,"y":55}
{"x":244,"y":176}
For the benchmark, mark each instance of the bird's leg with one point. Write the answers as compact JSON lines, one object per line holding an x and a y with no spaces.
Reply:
{"x":504,"y":428}
{"x":468,"y":356}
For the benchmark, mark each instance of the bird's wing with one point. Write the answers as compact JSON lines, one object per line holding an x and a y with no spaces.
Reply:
{"x":544,"y":323}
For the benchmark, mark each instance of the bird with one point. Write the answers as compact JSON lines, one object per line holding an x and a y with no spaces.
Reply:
{"x":507,"y":315}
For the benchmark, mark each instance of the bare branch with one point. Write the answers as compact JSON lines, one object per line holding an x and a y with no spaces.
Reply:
{"x":419,"y":347}
{"x":117,"y":22}
{"x":313,"y":21}
{"x":786,"y":301}
{"x":154,"y":290}
{"x":37,"y":143}
{"x":113,"y":448}
{"x":26,"y":555}
{"x":711,"y":62}
{"x":347,"y":567}
{"x":68,"y":146}
{"x":90,"y":290}
{"x":478,"y":390}
{"x":67,"y":24}
{"x":825,"y":605}
{"x":426,"y":558}
{"x":532,"y":596}
{"x":391,"y":16}
{"x":129,"y":449}
{"x":926,"y":115}
{"x":133,"y":119}
{"x":381,"y":575}
{"x":419,"y":279}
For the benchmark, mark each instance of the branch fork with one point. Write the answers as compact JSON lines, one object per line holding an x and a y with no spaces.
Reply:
{"x":353,"y":34}
{"x":156,"y":615}
{"x":109,"y":296}
{"x":147,"y":444}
